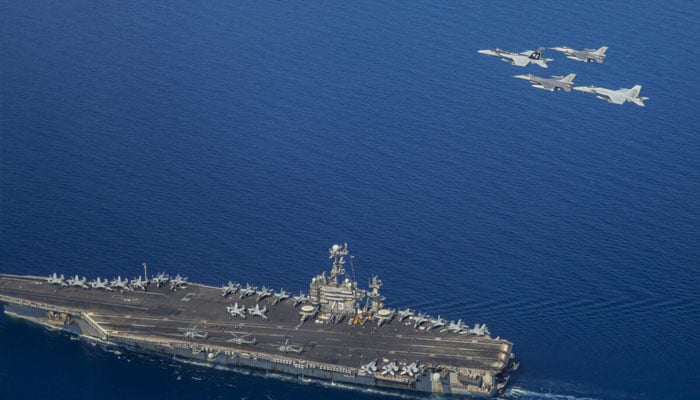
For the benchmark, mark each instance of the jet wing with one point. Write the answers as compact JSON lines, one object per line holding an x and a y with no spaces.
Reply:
{"x":616,"y":98}
{"x":520,"y":61}
{"x":548,"y":85}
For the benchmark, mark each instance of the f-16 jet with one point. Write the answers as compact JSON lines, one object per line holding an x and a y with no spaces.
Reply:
{"x":556,"y":82}
{"x":519,"y":59}
{"x":139,"y":283}
{"x":100,"y":284}
{"x":236,"y":311}
{"x":229,"y":288}
{"x":264,"y":292}
{"x":119,"y":283}
{"x":56,"y":280}
{"x":248,"y":290}
{"x":300,"y":298}
{"x":618,"y":96}
{"x":160,"y":279}
{"x":178,"y":282}
{"x":279,"y":296}
{"x":257,"y":311}
{"x":585,"y":55}
{"x":240,"y":338}
{"x":77,"y":282}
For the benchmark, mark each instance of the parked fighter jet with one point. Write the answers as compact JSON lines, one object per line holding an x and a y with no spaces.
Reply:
{"x":410,"y":369}
{"x":119,"y":284}
{"x":160,"y":279}
{"x":390,"y":368}
{"x":195,"y":334}
{"x":279,"y":296}
{"x":236,"y":311}
{"x":556,"y":82}
{"x":239,"y":338}
{"x":419,"y":319}
{"x":436,"y":323}
{"x":178,"y":282}
{"x":264,"y":292}
{"x":585,"y":55}
{"x":229,"y":288}
{"x":100,"y":284}
{"x":618,"y":96}
{"x":258,"y":312}
{"x":519,"y":59}
{"x":478,"y":330}
{"x":77,"y":282}
{"x":454,"y":327}
{"x":289,"y":348}
{"x":248,"y":290}
{"x":139,"y":283}
{"x":403,"y":314}
{"x":56,"y":280}
{"x":300,"y":298}
{"x":370,"y":367}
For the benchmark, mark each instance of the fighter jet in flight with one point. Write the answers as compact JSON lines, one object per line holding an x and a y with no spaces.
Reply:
{"x":236,"y":311}
{"x":520,"y":59}
{"x":556,"y":82}
{"x":618,"y":96}
{"x":585,"y":55}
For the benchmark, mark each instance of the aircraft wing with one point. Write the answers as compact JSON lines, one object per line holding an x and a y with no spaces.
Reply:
{"x":520,"y":61}
{"x":548,"y":85}
{"x":615,"y":97}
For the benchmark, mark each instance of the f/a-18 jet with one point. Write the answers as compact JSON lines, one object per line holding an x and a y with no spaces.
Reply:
{"x":100,"y":284}
{"x":300,"y":298}
{"x":56,"y":280}
{"x":77,"y":282}
{"x":556,"y":82}
{"x":519,"y":59}
{"x":236,"y":311}
{"x":619,"y":96}
{"x":585,"y":55}
{"x":258,"y":312}
{"x":229,"y":288}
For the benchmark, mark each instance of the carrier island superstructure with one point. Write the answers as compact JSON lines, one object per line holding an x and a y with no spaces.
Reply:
{"x":337,"y":332}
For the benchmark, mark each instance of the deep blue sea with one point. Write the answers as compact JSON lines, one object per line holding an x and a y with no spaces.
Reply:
{"x":240,"y":139}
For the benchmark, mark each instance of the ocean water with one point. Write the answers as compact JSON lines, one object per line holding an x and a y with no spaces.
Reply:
{"x":239,"y":140}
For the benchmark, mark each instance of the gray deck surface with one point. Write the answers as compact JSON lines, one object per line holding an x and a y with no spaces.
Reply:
{"x":161,"y":313}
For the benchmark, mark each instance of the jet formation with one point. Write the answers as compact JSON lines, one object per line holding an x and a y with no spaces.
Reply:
{"x":566,"y":83}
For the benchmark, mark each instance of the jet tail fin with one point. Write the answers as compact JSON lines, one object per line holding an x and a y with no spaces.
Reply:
{"x":634,"y":92}
{"x":569,"y":78}
{"x":601,"y":50}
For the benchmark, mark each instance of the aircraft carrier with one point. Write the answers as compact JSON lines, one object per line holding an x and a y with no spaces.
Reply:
{"x":337,"y":332}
